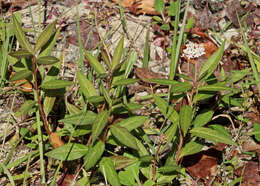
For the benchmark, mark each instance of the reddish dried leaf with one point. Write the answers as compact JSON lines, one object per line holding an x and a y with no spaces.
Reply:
{"x":253,"y":116}
{"x":143,"y":74}
{"x":125,"y":3}
{"x":202,"y":165}
{"x":251,"y":146}
{"x":210,"y":48}
{"x":68,"y":180}
{"x":250,"y":173}
{"x":139,"y":6}
{"x":23,"y":84}
{"x":55,"y":140}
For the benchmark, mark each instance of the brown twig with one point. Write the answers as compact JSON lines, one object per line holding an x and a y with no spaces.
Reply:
{"x":154,"y":161}
{"x":36,"y":87}
{"x":179,"y":146}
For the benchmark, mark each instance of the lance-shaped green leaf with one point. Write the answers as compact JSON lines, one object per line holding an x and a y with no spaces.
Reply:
{"x":185,"y":118}
{"x":211,"y":64}
{"x":21,"y":36}
{"x":45,"y":36}
{"x":106,"y":95}
{"x":25,"y":108}
{"x":125,"y":82}
{"x":203,"y":118}
{"x":190,"y":148}
{"x":215,"y":87}
{"x":130,"y":63}
{"x":257,"y":131}
{"x":117,"y":54}
{"x":48,"y":104}
{"x":106,"y":59}
{"x":56,"y":84}
{"x":99,"y":123}
{"x":21,"y":75}
{"x":177,"y":87}
{"x":70,"y":151}
{"x":20,"y":54}
{"x":47,"y":60}
{"x":82,"y":118}
{"x":167,"y":111}
{"x":212,"y":135}
{"x":48,"y":47}
{"x":72,"y":108}
{"x":170,"y":168}
{"x":106,"y":166}
{"x":94,"y":63}
{"x":122,"y":161}
{"x":159,"y":6}
{"x":96,"y":99}
{"x":124,"y":136}
{"x":146,"y":49}
{"x":132,"y":122}
{"x":170,"y":133}
{"x":86,"y":86}
{"x":93,"y":155}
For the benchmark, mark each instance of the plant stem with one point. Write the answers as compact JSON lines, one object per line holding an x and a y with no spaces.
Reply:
{"x":38,"y":97}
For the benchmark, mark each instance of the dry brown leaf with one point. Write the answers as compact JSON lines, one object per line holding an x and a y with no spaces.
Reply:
{"x":125,"y":3}
{"x":139,"y":6}
{"x":250,"y":173}
{"x":143,"y":74}
{"x":210,"y":48}
{"x":251,"y":146}
{"x":56,"y":141}
{"x":253,"y":117}
{"x":202,"y":165}
{"x":22,"y":84}
{"x":20,"y":4}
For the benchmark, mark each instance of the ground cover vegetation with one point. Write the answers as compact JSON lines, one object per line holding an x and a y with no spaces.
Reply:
{"x":115,"y":120}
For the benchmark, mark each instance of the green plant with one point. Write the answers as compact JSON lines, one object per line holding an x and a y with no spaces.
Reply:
{"x":102,"y":115}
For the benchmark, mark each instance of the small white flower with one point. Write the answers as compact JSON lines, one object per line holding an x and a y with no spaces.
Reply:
{"x":193,"y":50}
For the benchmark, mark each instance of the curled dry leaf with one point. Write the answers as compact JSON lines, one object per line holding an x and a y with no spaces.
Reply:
{"x":125,"y":3}
{"x":23,"y":84}
{"x":202,"y":165}
{"x":143,"y":74}
{"x":56,"y":141}
{"x":251,"y":146}
{"x":139,"y":6}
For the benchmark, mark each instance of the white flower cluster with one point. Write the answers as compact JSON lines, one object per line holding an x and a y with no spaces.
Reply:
{"x":193,"y":50}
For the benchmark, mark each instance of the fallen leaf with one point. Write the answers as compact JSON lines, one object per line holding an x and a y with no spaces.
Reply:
{"x":231,"y":13}
{"x":250,"y":173}
{"x":210,"y":48}
{"x":68,"y":180}
{"x":254,"y":117}
{"x":139,"y":6}
{"x":125,"y":3}
{"x":202,"y":165}
{"x":250,"y":146}
{"x":23,"y":84}
{"x":143,"y":74}
{"x":55,"y":140}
